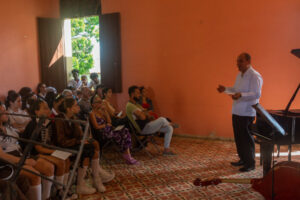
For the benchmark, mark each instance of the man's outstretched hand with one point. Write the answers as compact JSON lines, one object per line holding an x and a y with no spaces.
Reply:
{"x":221,"y":88}
{"x":236,"y":96}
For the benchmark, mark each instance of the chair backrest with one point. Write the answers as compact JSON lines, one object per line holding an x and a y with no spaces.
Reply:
{"x":129,"y":113}
{"x":133,"y":128}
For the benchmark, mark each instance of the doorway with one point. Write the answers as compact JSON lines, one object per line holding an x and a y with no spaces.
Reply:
{"x":82,"y":46}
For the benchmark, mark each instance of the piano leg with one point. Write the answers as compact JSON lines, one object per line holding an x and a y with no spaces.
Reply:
{"x":261,"y":158}
{"x":290,"y":152}
{"x":266,"y":153}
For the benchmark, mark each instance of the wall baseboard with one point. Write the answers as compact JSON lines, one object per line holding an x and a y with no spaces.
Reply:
{"x":203,"y":137}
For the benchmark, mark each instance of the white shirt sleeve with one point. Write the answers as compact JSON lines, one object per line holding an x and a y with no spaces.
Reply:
{"x":230,"y":90}
{"x":255,"y":89}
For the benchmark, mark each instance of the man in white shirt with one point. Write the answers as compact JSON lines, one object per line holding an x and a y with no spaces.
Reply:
{"x":75,"y":82}
{"x":245,"y":93}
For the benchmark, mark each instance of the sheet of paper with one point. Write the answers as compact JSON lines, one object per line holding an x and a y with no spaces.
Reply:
{"x":118,"y":128}
{"x":61,"y":154}
{"x":120,"y":113}
{"x":229,"y":92}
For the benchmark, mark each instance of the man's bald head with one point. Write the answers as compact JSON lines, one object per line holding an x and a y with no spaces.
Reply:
{"x":243,"y":62}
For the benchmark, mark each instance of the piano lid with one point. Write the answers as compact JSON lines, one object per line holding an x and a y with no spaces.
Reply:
{"x":296,"y":52}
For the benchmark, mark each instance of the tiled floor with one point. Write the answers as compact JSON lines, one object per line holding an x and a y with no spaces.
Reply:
{"x":172,"y":177}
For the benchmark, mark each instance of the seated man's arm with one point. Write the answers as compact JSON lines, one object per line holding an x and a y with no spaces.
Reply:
{"x":140,"y":114}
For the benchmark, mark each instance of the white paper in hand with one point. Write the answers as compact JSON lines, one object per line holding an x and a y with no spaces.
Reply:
{"x":118,"y":128}
{"x":120,"y":113}
{"x":61,"y":154}
{"x":229,"y":92}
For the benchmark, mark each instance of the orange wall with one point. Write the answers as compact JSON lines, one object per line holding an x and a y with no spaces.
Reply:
{"x":184,"y":49}
{"x":181,"y":49}
{"x":19,"y":58}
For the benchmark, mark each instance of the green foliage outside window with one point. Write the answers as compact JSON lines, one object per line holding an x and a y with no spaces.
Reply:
{"x":83,"y":30}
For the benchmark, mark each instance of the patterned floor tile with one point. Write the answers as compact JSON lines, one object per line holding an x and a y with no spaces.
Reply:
{"x":160,"y":190}
{"x":172,"y":178}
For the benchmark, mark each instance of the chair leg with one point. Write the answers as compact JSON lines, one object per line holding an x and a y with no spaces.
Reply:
{"x":101,"y":152}
{"x":116,"y":147}
{"x":154,"y":143}
{"x":143,"y":145}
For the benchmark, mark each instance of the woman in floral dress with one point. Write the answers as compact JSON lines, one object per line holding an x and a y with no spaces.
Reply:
{"x":101,"y":122}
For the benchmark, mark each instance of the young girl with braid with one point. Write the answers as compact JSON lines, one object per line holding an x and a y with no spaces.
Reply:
{"x":69,"y":135}
{"x":40,"y":109}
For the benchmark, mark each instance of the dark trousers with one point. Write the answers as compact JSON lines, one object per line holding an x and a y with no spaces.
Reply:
{"x":243,"y":139}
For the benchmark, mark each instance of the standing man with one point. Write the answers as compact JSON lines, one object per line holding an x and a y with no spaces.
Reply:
{"x":245,"y":93}
{"x":75,"y":82}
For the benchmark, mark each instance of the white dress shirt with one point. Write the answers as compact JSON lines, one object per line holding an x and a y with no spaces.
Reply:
{"x":249,"y":85}
{"x":76,"y":85}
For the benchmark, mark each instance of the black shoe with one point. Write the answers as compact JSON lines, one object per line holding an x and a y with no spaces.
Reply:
{"x":238,"y":163}
{"x":247,"y":168}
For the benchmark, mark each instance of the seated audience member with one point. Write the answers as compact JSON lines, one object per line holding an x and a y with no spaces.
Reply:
{"x":51,"y":89}
{"x":98,"y":90}
{"x":106,"y":96}
{"x":25,"y":91}
{"x":67,"y":93}
{"x":40,"y":109}
{"x":100,"y":120}
{"x":11,"y":151}
{"x":144,"y":123}
{"x":78,"y":95}
{"x":14,"y":104}
{"x":56,"y":103}
{"x":75,"y":82}
{"x":145,"y":101}
{"x":116,"y":120}
{"x":69,"y":135}
{"x":50,"y":97}
{"x":73,"y":90}
{"x":84,"y":81}
{"x":94,"y":81}
{"x":84,"y":103}
{"x":41,"y":91}
{"x":28,"y":97}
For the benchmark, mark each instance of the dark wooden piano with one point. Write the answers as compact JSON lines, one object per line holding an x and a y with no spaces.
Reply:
{"x":267,"y":136}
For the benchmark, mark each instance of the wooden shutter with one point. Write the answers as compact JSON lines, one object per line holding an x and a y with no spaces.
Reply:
{"x":110,"y":51}
{"x":53,"y":70}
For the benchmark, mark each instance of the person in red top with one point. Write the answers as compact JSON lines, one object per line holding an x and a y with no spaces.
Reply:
{"x":146,"y":102}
